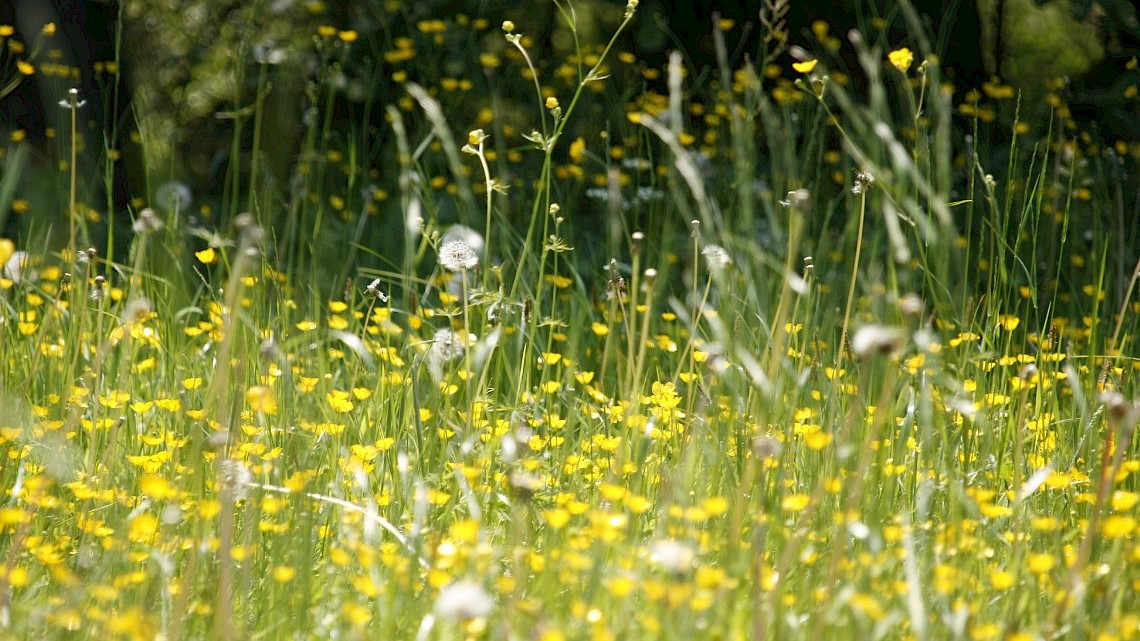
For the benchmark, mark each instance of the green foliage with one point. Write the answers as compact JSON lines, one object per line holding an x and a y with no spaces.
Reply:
{"x":776,"y":361}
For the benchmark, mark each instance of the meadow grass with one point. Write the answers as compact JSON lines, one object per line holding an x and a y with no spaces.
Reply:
{"x":811,"y":372}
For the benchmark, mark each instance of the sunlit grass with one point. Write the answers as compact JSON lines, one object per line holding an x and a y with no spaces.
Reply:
{"x":860,"y":389}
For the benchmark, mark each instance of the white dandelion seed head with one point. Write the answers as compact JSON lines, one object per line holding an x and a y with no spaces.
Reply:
{"x":462,"y":601}
{"x":99,"y":288}
{"x":84,"y":256}
{"x":138,"y":309}
{"x":16,"y":269}
{"x":234,"y":478}
{"x":171,"y":514}
{"x":716,"y":258}
{"x":871,"y":340}
{"x":964,"y":406}
{"x":910,"y":305}
{"x":147,"y":223}
{"x":374,"y":291}
{"x":927,"y":340}
{"x":173,"y":196}
{"x":863,"y":182}
{"x":798,"y":198}
{"x":445,"y":347}
{"x":72,"y":100}
{"x":267,"y":53}
{"x":457,"y":255}
{"x":1120,"y":409}
{"x":526,"y":485}
{"x":767,"y":447}
{"x":796,"y":283}
{"x":671,"y":555}
{"x":858,"y":530}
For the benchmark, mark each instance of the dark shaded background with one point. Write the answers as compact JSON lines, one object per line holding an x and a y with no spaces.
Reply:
{"x":174,"y":54}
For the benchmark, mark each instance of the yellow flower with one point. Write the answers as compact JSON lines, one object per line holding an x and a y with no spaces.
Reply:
{"x":284,"y":573}
{"x":1040,"y":563}
{"x":1118,"y":526}
{"x":556,"y":518}
{"x":338,"y":401}
{"x":578,"y":150}
{"x":1008,"y":322}
{"x":18,"y":577}
{"x":817,"y":439}
{"x":207,"y":256}
{"x":1123,"y":500}
{"x":992,"y":511}
{"x":157,"y":487}
{"x":806,"y":66}
{"x":1001,"y":579}
{"x":356,"y":613}
{"x":901,"y":59}
{"x":795,"y":502}
{"x":260,"y":399}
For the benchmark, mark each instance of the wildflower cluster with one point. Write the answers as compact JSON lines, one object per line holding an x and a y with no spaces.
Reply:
{"x":852,"y":411}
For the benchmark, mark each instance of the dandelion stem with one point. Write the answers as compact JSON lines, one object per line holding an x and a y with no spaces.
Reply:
{"x":842,"y":347}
